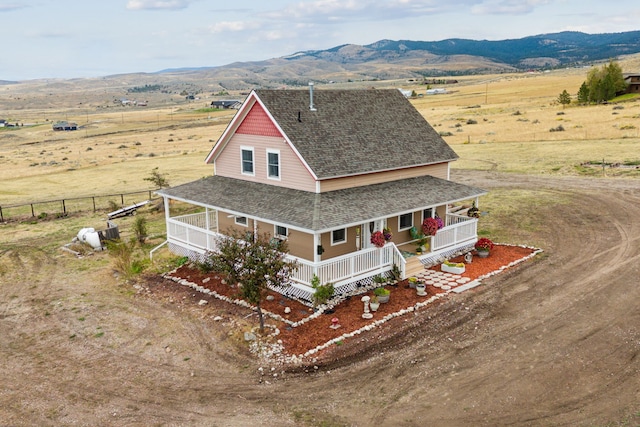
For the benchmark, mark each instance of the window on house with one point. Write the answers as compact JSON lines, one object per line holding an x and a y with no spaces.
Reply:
{"x":247,"y":161}
{"x":338,"y":236}
{"x":281,"y":231}
{"x":273,"y":164}
{"x":427,"y":213}
{"x":405,"y":221}
{"x":241,"y":220}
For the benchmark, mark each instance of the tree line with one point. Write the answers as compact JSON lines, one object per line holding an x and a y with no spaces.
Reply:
{"x":602,"y":84}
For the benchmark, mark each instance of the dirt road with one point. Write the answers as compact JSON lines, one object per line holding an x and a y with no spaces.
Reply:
{"x":553,"y":343}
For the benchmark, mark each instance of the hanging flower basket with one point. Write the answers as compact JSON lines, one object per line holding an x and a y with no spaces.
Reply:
{"x":387,"y":234}
{"x":377,"y":239}
{"x":430,"y":226}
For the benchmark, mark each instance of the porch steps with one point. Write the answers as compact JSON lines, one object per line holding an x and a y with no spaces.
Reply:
{"x":413,"y":266}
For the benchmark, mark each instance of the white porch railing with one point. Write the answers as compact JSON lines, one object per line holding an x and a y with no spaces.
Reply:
{"x":458,"y":229}
{"x":199,"y":220}
{"x":350,"y":267}
{"x":186,"y":232}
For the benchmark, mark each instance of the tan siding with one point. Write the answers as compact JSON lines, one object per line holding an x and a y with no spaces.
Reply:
{"x":293,"y":174}
{"x":440,"y":170}
{"x":225,"y":223}
{"x":345,"y":248}
{"x":301,"y":245}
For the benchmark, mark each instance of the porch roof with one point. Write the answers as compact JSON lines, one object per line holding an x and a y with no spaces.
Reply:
{"x":325,"y":211}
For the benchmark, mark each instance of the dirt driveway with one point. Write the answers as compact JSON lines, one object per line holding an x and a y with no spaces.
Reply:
{"x":553,"y":343}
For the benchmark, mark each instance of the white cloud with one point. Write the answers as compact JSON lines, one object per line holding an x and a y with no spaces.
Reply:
{"x":233,"y":26}
{"x":157,"y":4}
{"x":507,"y":7}
{"x":8,"y":7}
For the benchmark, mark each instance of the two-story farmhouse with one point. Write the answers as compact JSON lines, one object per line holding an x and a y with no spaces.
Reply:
{"x":325,"y":170}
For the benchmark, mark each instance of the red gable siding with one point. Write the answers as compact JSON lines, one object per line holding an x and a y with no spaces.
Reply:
{"x":258,"y":123}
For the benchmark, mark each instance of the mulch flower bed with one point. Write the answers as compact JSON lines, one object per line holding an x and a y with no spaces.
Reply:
{"x":305,"y":332}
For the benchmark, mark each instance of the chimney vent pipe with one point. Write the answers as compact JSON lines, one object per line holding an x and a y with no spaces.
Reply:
{"x":311,"y":107}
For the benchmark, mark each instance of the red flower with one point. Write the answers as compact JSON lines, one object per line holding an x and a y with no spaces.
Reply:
{"x":377,"y":239}
{"x":484,"y":244}
{"x":430,"y":226}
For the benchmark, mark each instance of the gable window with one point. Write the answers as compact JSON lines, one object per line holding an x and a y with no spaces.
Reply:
{"x":247,"y":161}
{"x":241,"y":220}
{"x":405,"y":221}
{"x":281,"y":231}
{"x":273,"y":164}
{"x":338,"y":236}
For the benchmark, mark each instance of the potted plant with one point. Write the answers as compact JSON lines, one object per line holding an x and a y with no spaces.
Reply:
{"x":452,"y":267}
{"x":374,"y":303}
{"x":421,"y":289}
{"x":382,"y":294}
{"x":420,"y":239}
{"x":484,"y":246}
{"x":413,"y":281}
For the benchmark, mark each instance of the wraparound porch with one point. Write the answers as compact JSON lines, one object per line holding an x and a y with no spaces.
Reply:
{"x":195,"y":234}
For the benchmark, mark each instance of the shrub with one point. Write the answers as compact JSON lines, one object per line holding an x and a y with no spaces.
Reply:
{"x":322,"y":293}
{"x":140,"y":229}
{"x":559,"y":128}
{"x":122,"y":254}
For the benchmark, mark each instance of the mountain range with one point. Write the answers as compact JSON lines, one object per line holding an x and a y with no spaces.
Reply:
{"x":391,"y":59}
{"x":382,"y":60}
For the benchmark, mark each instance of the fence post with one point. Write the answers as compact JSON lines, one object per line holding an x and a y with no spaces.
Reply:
{"x":1,"y":217}
{"x":32,"y":212}
{"x":94,"y":203}
{"x":64,"y":208}
{"x":122,"y":200}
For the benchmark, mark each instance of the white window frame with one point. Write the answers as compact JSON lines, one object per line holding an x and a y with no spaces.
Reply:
{"x":274,"y":177}
{"x":278,"y":235}
{"x":239,"y":219}
{"x":400,"y":228}
{"x":339,"y":242}
{"x":253,"y":161}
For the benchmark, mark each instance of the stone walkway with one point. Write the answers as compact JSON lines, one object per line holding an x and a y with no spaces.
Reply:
{"x":447,"y":281}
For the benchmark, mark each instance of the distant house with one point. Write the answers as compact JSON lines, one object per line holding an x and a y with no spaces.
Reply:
{"x":228,"y":104}
{"x":65,"y":126}
{"x":633,"y":83}
{"x":3,"y":123}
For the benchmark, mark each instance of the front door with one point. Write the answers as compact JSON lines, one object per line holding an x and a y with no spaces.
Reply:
{"x":367,"y":229}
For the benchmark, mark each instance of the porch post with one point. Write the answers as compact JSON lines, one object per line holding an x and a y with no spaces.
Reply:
{"x":316,"y":257}
{"x":206,"y":224}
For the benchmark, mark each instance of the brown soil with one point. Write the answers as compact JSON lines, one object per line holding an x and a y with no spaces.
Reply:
{"x":554,"y":341}
{"x":299,"y":339}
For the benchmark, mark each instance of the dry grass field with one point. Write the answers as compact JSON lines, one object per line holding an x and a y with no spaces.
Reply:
{"x":499,"y":122}
{"x":552,"y":342}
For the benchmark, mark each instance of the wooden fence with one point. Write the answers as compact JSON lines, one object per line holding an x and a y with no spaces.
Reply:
{"x":62,"y":207}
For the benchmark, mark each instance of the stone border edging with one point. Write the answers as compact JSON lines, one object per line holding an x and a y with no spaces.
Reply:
{"x":321,"y":309}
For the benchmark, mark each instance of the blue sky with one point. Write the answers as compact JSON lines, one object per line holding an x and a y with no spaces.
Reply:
{"x":92,"y":38}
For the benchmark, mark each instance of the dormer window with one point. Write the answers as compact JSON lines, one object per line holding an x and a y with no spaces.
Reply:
{"x":273,"y":164}
{"x":247,"y":161}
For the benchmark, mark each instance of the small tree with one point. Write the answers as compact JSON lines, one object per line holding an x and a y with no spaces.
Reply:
{"x":140,"y":229}
{"x":253,"y":262}
{"x":564,"y":98}
{"x":583,"y":93}
{"x":158,"y":179}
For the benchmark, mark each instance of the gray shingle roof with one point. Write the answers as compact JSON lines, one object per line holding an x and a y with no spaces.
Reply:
{"x":325,"y":211}
{"x":355,"y":131}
